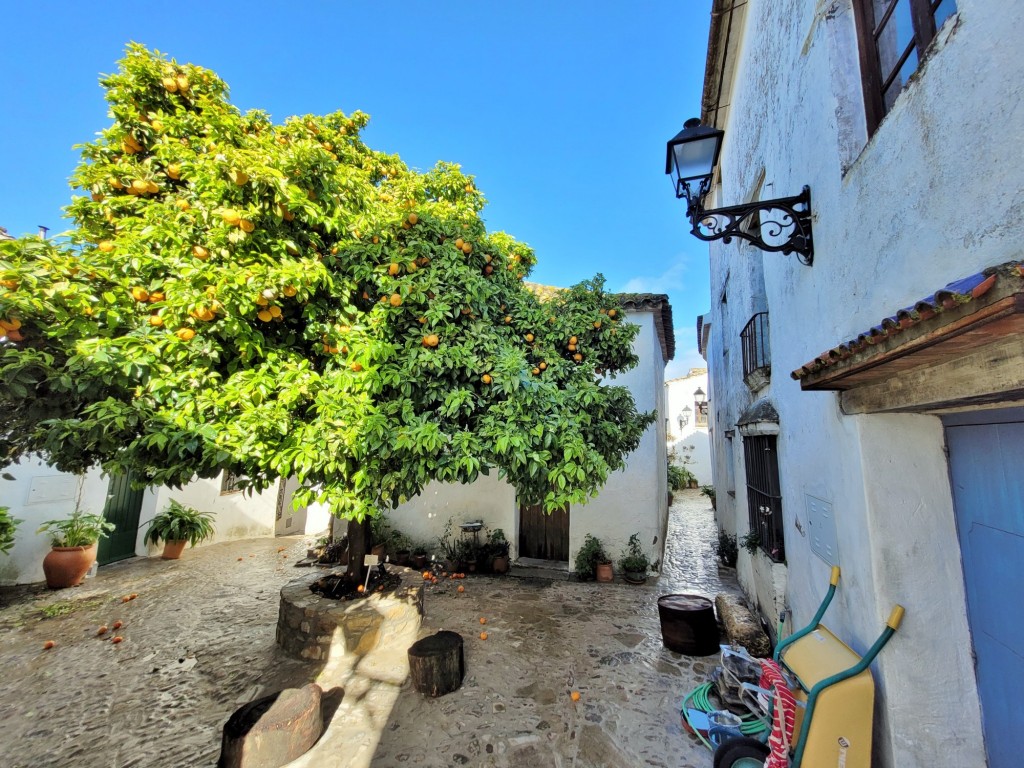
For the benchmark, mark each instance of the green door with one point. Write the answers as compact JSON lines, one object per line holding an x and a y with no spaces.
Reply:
{"x":122,"y":509}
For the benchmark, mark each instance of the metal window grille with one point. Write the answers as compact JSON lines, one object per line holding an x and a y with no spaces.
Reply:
{"x":764,"y":501}
{"x":754,"y":340}
{"x":230,"y":483}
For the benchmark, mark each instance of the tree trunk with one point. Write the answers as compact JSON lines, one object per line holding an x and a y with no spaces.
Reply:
{"x":359,"y":536}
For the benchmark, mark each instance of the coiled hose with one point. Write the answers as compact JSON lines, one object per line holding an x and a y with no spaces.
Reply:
{"x":700,"y":699}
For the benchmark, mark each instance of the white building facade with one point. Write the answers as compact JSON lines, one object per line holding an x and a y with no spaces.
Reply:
{"x":686,"y":419}
{"x":876,"y":423}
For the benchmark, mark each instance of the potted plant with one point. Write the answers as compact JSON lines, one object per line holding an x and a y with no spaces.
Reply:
{"x":177,"y":526}
{"x":709,"y":491}
{"x":73,"y":547}
{"x":402,"y":546}
{"x":8,"y":527}
{"x":499,"y":547}
{"x":591,"y":561}
{"x":419,"y":555}
{"x":634,"y":561}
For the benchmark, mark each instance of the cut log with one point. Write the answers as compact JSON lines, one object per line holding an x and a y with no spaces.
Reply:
{"x":273,"y":731}
{"x":436,"y":664}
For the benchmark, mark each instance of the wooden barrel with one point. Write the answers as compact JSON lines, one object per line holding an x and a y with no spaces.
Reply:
{"x":688,"y":624}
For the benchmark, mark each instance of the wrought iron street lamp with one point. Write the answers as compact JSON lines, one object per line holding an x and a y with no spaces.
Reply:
{"x":684,"y":417}
{"x":785,"y":222}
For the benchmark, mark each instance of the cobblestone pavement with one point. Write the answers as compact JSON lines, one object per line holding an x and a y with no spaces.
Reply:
{"x":199,"y":642}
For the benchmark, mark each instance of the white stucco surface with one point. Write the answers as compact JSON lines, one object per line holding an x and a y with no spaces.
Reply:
{"x":634,"y":500}
{"x":691,"y":440}
{"x":933,"y":196}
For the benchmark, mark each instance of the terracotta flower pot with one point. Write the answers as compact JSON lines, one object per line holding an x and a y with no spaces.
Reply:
{"x":67,"y":566}
{"x":419,"y":561}
{"x":604,"y":573}
{"x":173,"y":549}
{"x":500,"y":564}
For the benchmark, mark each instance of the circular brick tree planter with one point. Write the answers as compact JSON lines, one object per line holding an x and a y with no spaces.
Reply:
{"x":310,"y":626}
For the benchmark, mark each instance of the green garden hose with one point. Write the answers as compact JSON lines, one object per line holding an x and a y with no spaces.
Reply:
{"x":699,"y":698}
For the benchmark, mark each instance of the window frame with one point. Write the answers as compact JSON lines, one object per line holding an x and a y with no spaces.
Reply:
{"x":922,"y":15}
{"x":229,"y":483}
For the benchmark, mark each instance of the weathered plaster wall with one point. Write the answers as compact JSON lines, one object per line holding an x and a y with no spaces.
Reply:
{"x":236,"y":515}
{"x":633,"y":500}
{"x":933,"y":196}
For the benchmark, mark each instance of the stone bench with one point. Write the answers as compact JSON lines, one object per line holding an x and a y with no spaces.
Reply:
{"x":741,"y":626}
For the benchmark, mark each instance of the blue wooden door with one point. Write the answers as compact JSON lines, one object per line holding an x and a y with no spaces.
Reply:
{"x":986,"y":462}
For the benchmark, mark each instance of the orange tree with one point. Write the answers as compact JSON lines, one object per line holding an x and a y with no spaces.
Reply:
{"x":281,"y":300}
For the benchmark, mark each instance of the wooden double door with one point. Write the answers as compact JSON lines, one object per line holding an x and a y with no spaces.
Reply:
{"x":543,"y":536}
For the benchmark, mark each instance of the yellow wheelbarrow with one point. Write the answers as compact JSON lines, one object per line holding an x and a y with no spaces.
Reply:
{"x":834,"y":700}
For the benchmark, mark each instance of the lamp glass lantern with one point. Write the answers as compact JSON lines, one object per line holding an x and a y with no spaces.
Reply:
{"x":691,"y":159}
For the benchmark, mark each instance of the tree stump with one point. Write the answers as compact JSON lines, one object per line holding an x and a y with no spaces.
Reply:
{"x":273,"y":731}
{"x":436,"y":664}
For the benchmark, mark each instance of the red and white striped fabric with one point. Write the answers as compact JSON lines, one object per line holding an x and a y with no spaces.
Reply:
{"x":783,"y":714}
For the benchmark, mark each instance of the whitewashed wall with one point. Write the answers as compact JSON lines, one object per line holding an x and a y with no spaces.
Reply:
{"x":679,"y":394}
{"x":934,"y":196}
{"x":634,"y":500}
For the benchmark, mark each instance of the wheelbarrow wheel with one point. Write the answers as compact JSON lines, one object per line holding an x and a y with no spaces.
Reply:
{"x":742,"y":752}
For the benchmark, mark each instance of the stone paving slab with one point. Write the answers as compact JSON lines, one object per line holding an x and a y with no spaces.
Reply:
{"x":199,"y":642}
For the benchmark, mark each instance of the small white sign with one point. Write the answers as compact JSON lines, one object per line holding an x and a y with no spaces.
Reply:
{"x":370,"y":560}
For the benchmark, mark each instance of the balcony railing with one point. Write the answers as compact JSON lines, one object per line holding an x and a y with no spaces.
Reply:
{"x":757,"y":354}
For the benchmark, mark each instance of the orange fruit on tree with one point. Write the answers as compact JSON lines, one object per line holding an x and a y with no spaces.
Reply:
{"x":536,"y":371}
{"x":578,"y":357}
{"x":139,"y":293}
{"x":9,"y":284}
{"x":459,"y":243}
{"x":394,"y":269}
{"x":171,"y":84}
{"x":182,"y":205}
{"x":183,"y":84}
{"x":431,"y":340}
{"x":246,"y":226}
{"x":262,"y":301}
{"x":573,"y":340}
{"x":542,"y":365}
{"x":529,"y":337}
{"x":140,"y":187}
{"x":467,"y":248}
{"x":486,"y":378}
{"x":185,"y":334}
{"x":156,"y":296}
{"x":597,"y":323}
{"x":413,"y":218}
{"x":421,"y":320}
{"x":105,"y":246}
{"x":151,"y":187}
{"x":239,"y":178}
{"x":200,"y":253}
{"x":488,"y":270}
{"x":396,"y":300}
{"x":275,"y":311}
{"x":612,"y":313}
{"x":264,"y":315}
{"x":508,"y":319}
{"x":290,"y":290}
{"x":572,"y":347}
{"x":231,"y":216}
{"x":174,"y":171}
{"x":357,"y":367}
{"x":156,"y":320}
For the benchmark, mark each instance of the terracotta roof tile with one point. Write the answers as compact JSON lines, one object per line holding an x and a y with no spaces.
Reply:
{"x":948,"y":297}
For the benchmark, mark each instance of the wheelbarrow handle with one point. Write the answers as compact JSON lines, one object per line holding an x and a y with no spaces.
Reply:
{"x":834,"y":578}
{"x":895,"y":618}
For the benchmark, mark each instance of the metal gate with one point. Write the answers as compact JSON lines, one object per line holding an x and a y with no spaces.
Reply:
{"x":122,"y":509}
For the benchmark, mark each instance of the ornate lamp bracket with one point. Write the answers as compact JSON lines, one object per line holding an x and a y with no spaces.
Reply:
{"x":781,"y":225}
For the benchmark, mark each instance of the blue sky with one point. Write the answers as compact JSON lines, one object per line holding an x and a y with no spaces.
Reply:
{"x":560,"y":109}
